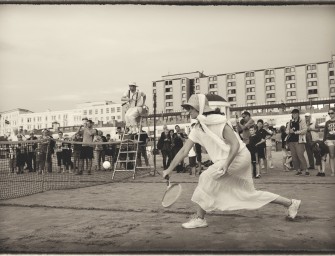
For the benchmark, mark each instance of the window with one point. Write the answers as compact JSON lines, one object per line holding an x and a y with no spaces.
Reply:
{"x":288,"y":78}
{"x":289,"y":70}
{"x":311,"y":75}
{"x":232,"y":91}
{"x":269,"y":80}
{"x":311,"y":67}
{"x":107,"y":110}
{"x":112,"y":110}
{"x":212,"y":86}
{"x":213,"y":78}
{"x":332,"y":89}
{"x":250,"y":97}
{"x":168,"y":97}
{"x":231,"y":83}
{"x":28,"y":120}
{"x":197,"y":80}
{"x":168,"y":89}
{"x":332,"y":81}
{"x":169,"y":104}
{"x":313,"y":91}
{"x":270,"y":95}
{"x":183,"y":80}
{"x":197,"y":87}
{"x":154,"y":84}
{"x":290,"y":94}
{"x":291,"y":85}
{"x":118,"y":109}
{"x":231,"y":76}
{"x":269,"y":72}
{"x":183,"y":88}
{"x":90,"y":112}
{"x":85,"y":112}
{"x":331,"y":73}
{"x":312,"y":83}
{"x":249,"y":74}
{"x":269,"y":87}
{"x":252,"y":81}
{"x":154,"y":91}
{"x":331,"y":64}
{"x":107,"y":118}
{"x":252,"y":89}
{"x":183,"y":95}
{"x":231,"y":99}
{"x":166,"y":82}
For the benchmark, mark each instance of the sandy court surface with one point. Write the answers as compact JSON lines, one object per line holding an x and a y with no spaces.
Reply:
{"x":128,"y":217}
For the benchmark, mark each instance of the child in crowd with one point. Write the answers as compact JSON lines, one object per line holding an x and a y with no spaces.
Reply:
{"x":20,"y":155}
{"x":320,"y":151}
{"x":12,"y":158}
{"x":253,"y":140}
{"x":76,"y":153}
{"x":98,"y":150}
{"x":192,"y":161}
{"x":40,"y":157}
{"x":268,"y":144}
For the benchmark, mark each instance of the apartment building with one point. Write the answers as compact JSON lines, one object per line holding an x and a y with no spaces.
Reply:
{"x":250,"y":88}
{"x":100,"y":112}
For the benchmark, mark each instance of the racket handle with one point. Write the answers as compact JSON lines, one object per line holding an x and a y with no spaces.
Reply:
{"x":167,"y":177}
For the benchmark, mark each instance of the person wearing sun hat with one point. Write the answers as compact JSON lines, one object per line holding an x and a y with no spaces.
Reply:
{"x":227,"y":184}
{"x":135,"y":100}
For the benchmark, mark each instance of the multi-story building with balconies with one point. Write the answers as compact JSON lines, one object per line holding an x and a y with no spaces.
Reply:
{"x":308,"y":82}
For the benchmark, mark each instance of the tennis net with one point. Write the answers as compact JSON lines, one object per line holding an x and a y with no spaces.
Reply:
{"x":34,"y":166}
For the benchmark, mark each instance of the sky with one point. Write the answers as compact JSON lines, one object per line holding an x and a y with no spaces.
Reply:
{"x":56,"y":56}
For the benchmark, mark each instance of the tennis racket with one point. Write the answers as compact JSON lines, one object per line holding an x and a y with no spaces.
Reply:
{"x":172,"y":193}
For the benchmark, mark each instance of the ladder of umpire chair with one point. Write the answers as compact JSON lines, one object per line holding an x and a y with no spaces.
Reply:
{"x":128,"y":148}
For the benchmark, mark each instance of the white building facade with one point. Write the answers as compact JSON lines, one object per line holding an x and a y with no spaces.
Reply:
{"x":250,"y":88}
{"x":99,"y":112}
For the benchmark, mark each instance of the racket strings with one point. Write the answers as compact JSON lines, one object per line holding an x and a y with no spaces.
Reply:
{"x":171,"y":195}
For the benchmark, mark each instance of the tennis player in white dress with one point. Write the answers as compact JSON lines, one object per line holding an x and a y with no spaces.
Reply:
{"x":227,"y":184}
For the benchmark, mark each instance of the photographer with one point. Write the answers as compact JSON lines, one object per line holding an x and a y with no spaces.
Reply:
{"x":243,"y":126}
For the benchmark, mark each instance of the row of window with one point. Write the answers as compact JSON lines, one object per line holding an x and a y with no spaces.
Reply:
{"x":252,"y":74}
{"x":96,"y":111}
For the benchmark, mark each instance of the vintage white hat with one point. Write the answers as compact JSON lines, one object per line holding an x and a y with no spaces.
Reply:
{"x":132,"y":83}
{"x":193,"y":102}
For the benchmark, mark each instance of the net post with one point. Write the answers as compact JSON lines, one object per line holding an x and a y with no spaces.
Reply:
{"x":154,"y":150}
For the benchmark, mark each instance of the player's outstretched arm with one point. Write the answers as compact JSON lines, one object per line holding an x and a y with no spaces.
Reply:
{"x":183,"y":152}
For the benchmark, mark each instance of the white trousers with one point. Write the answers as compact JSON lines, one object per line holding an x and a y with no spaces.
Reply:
{"x":131,"y":115}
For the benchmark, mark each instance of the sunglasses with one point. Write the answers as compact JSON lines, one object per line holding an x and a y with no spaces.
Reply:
{"x":330,"y":113}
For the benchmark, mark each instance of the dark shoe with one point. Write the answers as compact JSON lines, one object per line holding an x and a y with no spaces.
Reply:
{"x":298,"y":173}
{"x":319,"y":174}
{"x":258,"y":176}
{"x":306,"y":173}
{"x":322,"y":174}
{"x":89,"y":173}
{"x":311,"y":168}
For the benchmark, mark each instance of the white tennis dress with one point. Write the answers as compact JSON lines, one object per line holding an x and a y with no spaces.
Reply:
{"x":234,"y":190}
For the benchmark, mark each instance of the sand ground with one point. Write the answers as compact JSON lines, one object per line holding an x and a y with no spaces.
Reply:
{"x":128,"y":217}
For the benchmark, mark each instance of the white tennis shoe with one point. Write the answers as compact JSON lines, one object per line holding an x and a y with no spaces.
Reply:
{"x":293,"y":208}
{"x":195,"y":222}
